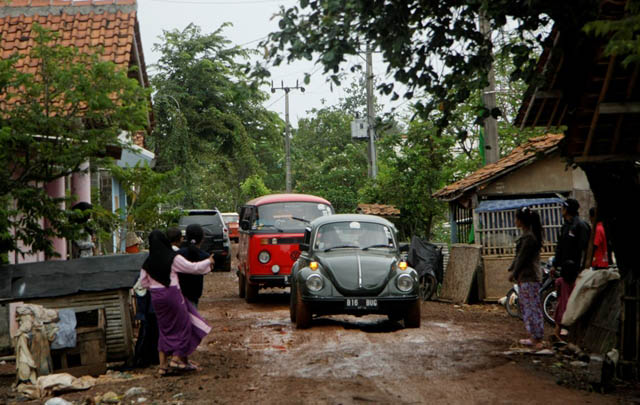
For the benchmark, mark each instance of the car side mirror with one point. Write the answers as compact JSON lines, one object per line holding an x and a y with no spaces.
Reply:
{"x":304,"y":247}
{"x":404,"y":246}
{"x":245,"y":225}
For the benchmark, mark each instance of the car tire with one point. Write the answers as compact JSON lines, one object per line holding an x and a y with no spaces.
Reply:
{"x":250,"y":291}
{"x":511,"y":304}
{"x":303,"y":315}
{"x":227,"y":265}
{"x":241,"y":284}
{"x":292,"y":305}
{"x":394,"y":317}
{"x":412,"y":318}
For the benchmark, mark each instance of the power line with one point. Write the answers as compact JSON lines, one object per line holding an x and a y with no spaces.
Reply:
{"x":281,"y":97}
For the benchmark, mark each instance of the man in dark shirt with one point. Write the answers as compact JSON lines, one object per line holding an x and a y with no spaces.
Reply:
{"x":570,"y":255}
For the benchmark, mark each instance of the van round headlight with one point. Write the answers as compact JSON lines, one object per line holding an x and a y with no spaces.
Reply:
{"x":404,"y":282}
{"x":314,"y":282}
{"x":264,"y":257}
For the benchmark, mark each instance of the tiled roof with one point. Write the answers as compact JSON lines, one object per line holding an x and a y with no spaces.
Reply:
{"x":378,"y":209}
{"x":110,"y":24}
{"x":520,"y":156}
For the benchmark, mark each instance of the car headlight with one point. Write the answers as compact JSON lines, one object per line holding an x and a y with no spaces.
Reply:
{"x":264,"y":257}
{"x":275,"y":269}
{"x":314,"y":282}
{"x":404,"y":282}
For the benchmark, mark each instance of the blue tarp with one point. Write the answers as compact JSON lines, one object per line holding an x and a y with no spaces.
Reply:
{"x":502,"y":205}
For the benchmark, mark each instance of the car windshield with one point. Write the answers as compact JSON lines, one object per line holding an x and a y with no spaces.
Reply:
{"x":354,"y":234}
{"x":230,"y":218}
{"x":210,"y":223}
{"x":290,"y":216}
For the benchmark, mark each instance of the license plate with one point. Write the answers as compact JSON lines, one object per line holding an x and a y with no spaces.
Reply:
{"x":361,"y":303}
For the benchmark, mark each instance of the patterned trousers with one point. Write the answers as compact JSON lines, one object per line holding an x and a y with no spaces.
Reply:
{"x":531,"y":309}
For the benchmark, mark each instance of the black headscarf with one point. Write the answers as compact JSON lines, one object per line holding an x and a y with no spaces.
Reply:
{"x":160,"y":259}
{"x":194,"y":235}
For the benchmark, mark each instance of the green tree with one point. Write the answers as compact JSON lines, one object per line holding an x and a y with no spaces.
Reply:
{"x":253,"y":187}
{"x":430,"y":46}
{"x":210,"y":119}
{"x":146,"y":198}
{"x":413,"y":166}
{"x":51,"y":122}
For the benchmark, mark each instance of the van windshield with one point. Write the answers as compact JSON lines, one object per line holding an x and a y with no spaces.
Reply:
{"x":289,"y":216}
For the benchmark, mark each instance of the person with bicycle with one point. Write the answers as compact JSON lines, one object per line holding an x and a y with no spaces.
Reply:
{"x":569,"y":256}
{"x":525,"y":270}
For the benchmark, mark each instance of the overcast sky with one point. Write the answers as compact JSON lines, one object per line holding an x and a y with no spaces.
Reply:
{"x":251,"y":21}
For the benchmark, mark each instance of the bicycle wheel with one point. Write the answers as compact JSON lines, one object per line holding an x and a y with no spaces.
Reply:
{"x":512,"y":305}
{"x":428,"y":284}
{"x":549,"y":304}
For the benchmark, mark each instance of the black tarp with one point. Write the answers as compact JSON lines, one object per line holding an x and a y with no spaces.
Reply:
{"x":57,"y":278}
{"x":425,"y":257}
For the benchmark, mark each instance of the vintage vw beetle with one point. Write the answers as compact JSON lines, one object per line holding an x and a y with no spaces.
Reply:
{"x":351,"y":264}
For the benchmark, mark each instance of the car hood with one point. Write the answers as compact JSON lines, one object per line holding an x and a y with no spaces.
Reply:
{"x":355,"y":272}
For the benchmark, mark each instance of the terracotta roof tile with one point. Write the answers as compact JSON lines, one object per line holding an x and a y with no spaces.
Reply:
{"x":519,"y":156}
{"x":378,"y":209}
{"x":112,"y":29}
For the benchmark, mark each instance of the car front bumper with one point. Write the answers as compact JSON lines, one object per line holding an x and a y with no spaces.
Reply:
{"x":276,"y":280}
{"x":338,"y":305}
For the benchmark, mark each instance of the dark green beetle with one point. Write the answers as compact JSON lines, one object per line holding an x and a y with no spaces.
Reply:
{"x":351,"y":264}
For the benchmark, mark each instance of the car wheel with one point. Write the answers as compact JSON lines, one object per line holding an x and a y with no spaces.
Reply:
{"x":227,"y":264}
{"x":512,"y":305}
{"x":303,"y":315}
{"x":394,"y":317}
{"x":412,"y":318}
{"x":428,"y":284}
{"x":292,"y":305}
{"x":250,"y":291}
{"x":240,"y":284}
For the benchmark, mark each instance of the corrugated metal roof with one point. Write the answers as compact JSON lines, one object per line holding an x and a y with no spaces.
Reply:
{"x":522,"y":155}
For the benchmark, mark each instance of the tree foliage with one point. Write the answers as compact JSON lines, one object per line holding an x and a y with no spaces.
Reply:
{"x":413,"y":166}
{"x":210,"y":119}
{"x":433,"y":46}
{"x":51,"y":122}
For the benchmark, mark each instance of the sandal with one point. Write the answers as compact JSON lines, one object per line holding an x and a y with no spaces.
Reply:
{"x":180,"y":366}
{"x":162,"y":371}
{"x":531,"y":343}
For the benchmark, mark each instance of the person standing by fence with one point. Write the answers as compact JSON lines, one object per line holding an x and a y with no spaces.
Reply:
{"x":569,"y":257}
{"x":600,"y":253}
{"x":525,"y":270}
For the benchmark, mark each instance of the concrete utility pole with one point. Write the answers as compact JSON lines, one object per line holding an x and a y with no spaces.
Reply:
{"x":287,"y":137}
{"x":492,"y":151}
{"x":373,"y":165}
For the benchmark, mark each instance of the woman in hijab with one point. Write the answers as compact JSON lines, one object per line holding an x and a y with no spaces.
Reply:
{"x":192,"y":284}
{"x":181,"y":328}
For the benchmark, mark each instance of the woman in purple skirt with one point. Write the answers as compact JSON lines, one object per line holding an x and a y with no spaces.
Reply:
{"x":181,"y":327}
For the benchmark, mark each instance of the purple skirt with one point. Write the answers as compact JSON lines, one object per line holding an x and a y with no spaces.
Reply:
{"x":180,"y":326}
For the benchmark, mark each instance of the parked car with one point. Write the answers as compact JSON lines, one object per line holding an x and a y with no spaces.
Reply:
{"x":216,"y":235}
{"x":231,"y":219}
{"x":351,"y":264}
{"x":271,"y":228}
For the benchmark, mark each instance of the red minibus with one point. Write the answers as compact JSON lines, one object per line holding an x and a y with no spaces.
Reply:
{"x":271,"y":229}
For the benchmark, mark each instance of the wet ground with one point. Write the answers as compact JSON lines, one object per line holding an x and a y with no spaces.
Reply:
{"x":255,"y":355}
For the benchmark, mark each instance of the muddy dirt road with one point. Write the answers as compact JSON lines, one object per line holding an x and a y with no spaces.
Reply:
{"x":255,"y":355}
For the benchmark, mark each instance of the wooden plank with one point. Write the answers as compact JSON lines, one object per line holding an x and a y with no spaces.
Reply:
{"x":464,"y":261}
{"x":620,"y":108}
{"x":596,"y":114}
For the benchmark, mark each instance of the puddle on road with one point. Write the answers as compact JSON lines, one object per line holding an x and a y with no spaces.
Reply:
{"x":347,"y":347}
